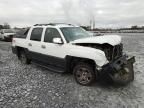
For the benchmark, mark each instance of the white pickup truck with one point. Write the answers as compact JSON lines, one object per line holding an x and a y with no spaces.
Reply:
{"x":69,"y":48}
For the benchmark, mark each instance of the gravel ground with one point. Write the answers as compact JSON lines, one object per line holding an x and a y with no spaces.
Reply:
{"x":31,"y":86}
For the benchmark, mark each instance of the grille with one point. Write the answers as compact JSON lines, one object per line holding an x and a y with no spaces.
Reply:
{"x":114,"y":52}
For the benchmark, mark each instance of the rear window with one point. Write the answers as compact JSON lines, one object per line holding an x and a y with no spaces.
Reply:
{"x":36,"y":34}
{"x":26,"y":32}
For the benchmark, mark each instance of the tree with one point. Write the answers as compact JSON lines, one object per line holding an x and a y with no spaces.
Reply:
{"x":142,"y":27}
{"x":1,"y":26}
{"x":134,"y":27}
{"x":6,"y":26}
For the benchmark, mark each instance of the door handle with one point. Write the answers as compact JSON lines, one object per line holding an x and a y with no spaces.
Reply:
{"x":43,"y":46}
{"x":29,"y":44}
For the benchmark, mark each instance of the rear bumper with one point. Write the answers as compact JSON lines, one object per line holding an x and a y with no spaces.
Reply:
{"x":123,"y":63}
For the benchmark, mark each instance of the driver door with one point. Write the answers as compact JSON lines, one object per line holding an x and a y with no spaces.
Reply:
{"x":53,"y":54}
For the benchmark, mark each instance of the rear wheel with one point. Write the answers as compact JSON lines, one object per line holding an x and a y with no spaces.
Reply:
{"x":84,"y":74}
{"x":23,"y":58}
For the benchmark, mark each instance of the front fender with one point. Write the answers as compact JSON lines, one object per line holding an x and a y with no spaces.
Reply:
{"x":89,"y":53}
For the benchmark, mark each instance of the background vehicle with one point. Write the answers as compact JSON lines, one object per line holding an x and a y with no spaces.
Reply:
{"x":6,"y":34}
{"x":69,"y":48}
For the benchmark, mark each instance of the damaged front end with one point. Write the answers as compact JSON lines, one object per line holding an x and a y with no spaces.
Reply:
{"x":120,"y":71}
{"x":120,"y":67}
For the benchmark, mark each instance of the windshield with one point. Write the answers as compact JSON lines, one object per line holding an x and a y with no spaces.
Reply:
{"x":74,"y":33}
{"x":8,"y":31}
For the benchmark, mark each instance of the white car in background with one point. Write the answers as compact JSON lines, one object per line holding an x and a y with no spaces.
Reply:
{"x":6,"y":34}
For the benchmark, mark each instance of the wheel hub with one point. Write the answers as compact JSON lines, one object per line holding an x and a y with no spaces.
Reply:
{"x":83,"y":75}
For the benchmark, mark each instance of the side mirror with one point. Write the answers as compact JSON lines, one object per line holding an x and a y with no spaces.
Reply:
{"x":57,"y":40}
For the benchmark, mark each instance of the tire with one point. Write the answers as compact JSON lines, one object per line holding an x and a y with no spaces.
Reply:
{"x":23,"y":58}
{"x":84,"y":74}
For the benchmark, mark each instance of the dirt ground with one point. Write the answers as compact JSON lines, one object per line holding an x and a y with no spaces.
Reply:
{"x":31,"y":86}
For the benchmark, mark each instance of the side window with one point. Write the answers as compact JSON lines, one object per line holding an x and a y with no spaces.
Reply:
{"x":26,"y":32}
{"x":51,"y":33}
{"x":36,"y":34}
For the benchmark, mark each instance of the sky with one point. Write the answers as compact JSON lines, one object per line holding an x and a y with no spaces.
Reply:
{"x":105,"y":13}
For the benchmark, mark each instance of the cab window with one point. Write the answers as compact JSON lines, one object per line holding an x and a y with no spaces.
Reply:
{"x":36,"y":34}
{"x":51,"y":33}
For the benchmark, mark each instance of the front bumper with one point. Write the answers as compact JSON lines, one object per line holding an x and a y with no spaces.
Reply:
{"x":124,"y":64}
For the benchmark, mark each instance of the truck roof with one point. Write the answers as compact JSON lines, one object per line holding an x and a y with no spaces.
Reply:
{"x":60,"y":25}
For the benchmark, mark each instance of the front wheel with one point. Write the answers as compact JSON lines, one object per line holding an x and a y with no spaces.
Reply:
{"x":84,"y":74}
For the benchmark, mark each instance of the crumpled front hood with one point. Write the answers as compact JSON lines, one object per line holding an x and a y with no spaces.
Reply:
{"x":110,"y":39}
